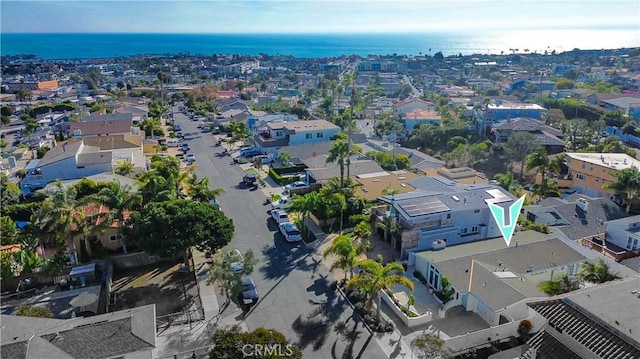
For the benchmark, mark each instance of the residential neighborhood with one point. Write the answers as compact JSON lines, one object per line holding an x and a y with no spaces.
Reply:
{"x":180,"y":206}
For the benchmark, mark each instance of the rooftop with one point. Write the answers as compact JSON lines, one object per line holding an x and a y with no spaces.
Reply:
{"x":309,"y":125}
{"x":615,"y":161}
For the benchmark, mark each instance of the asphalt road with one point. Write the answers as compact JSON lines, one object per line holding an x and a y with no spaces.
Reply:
{"x":294,"y":285}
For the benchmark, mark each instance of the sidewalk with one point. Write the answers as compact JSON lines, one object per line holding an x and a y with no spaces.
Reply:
{"x":182,"y":340}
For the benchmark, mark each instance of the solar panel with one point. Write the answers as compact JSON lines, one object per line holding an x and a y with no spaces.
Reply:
{"x":423,"y":206}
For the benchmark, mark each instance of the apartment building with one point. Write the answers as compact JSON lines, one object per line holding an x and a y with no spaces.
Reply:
{"x":590,"y":171}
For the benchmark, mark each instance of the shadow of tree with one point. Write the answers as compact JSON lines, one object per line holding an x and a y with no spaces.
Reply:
{"x":311,"y":332}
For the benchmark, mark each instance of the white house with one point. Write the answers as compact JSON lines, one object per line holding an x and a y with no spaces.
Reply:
{"x":64,"y":162}
{"x":624,"y":233}
{"x":285,"y":133}
{"x":496,"y":281}
{"x":411,"y":105}
{"x":442,"y":212}
{"x":415,"y":118}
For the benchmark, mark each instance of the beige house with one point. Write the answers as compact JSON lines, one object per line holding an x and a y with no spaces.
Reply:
{"x":590,"y":171}
{"x":107,"y":235}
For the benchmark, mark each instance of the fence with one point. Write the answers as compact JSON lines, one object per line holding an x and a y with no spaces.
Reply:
{"x":133,"y":260}
{"x":595,"y":243}
{"x":408,"y":321}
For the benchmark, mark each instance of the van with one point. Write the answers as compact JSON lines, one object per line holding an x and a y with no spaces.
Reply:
{"x":173,"y":142}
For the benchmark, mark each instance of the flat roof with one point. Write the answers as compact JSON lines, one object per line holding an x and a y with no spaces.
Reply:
{"x":616,"y":161}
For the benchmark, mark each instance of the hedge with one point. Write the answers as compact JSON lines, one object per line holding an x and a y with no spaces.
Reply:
{"x":282,"y":180}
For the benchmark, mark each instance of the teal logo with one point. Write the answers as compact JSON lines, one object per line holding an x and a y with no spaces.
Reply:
{"x":498,"y":214}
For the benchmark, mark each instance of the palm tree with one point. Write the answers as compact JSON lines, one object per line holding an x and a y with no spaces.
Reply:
{"x":373,"y":278}
{"x":305,"y":204}
{"x":124,"y":168}
{"x":200,"y":191}
{"x":389,"y":226}
{"x":28,"y":260}
{"x":153,"y":187}
{"x":339,"y":153}
{"x":119,"y":200}
{"x":628,"y":182}
{"x":30,"y":125}
{"x":539,"y":160}
{"x":55,"y":216}
{"x":559,"y":285}
{"x":343,"y":248}
{"x":597,"y":271}
{"x":162,"y":77}
{"x":284,"y":158}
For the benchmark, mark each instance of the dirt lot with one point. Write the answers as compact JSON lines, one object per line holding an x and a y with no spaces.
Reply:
{"x":159,"y":283}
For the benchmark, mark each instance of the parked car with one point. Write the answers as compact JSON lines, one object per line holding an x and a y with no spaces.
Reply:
{"x":185,"y":147}
{"x":240,"y":160}
{"x":180,"y":134}
{"x":214,"y":202}
{"x":280,"y":216}
{"x":282,"y":203}
{"x":297,"y":184}
{"x":238,"y":260}
{"x":249,"y":179}
{"x":290,"y":232}
{"x":177,"y":128}
{"x":251,"y":152}
{"x":249,"y":294}
{"x":190,"y":158}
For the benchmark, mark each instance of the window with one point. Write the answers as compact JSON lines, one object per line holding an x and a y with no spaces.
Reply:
{"x":319,"y":135}
{"x":448,"y":215}
{"x":591,"y":169}
{"x":476,"y":211}
{"x":629,"y":242}
{"x":635,"y":243}
{"x":80,"y":167}
{"x":584,"y":165}
{"x":114,"y":238}
{"x":580,"y":176}
{"x":308,"y":136}
{"x":463,"y":230}
{"x":474,"y":229}
{"x":279,"y":133}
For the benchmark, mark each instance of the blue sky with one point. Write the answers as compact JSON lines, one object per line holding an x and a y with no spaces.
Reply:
{"x":315,"y":16}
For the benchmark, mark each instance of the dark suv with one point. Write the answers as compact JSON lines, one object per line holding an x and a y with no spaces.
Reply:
{"x":249,"y":294}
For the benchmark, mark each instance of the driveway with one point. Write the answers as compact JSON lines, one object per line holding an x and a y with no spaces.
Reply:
{"x":295,"y":287}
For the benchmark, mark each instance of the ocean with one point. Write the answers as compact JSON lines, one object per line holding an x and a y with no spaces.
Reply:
{"x":83,"y":46}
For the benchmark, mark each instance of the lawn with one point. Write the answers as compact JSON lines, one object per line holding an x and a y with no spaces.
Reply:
{"x":160,"y":283}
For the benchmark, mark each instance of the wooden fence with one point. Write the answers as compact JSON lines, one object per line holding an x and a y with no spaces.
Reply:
{"x":133,"y":260}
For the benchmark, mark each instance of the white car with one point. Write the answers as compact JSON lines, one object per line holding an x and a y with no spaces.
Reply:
{"x":238,"y":261}
{"x":279,"y":216}
{"x":298,"y":184}
{"x":282,"y":203}
{"x":190,"y":158}
{"x":290,"y":232}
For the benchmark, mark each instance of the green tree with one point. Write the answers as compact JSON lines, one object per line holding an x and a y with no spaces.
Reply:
{"x":8,"y":231}
{"x":23,"y":95}
{"x":627,"y":182}
{"x":28,"y":261}
{"x":339,"y":153}
{"x":9,"y":193}
{"x":30,"y":125}
{"x":169,"y":228}
{"x":284,"y":158}
{"x":54,"y":217}
{"x":519,"y":146}
{"x":200,"y":190}
{"x":389,"y":226}
{"x":305,"y":204}
{"x":430,"y":346}
{"x":34,"y":311}
{"x":7,"y":265}
{"x":597,"y":271}
{"x":124,"y":168}
{"x":223,"y":273}
{"x":373,"y":278}
{"x":41,"y":151}
{"x":345,"y":252}
{"x":540,"y":161}
{"x":234,"y":344}
{"x":558,"y":285}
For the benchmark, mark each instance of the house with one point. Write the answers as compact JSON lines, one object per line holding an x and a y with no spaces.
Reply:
{"x":575,"y":215}
{"x":411,"y":104}
{"x":590,"y":171}
{"x":372,"y":185}
{"x":378,"y":65}
{"x":504,"y":111}
{"x":598,"y":322}
{"x":126,"y":334}
{"x":622,"y":104}
{"x":551,"y":139}
{"x":600,"y":99}
{"x":284,"y":133}
{"x":416,"y":118}
{"x":319,"y":170}
{"x":496,"y":281}
{"x":68,"y":161}
{"x":442,"y":211}
{"x":104,"y":127}
{"x":108,"y":237}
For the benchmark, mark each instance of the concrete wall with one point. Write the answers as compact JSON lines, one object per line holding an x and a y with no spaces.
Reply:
{"x":496,"y":333}
{"x":409,"y":322}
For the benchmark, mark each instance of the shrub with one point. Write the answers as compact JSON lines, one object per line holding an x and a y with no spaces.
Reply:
{"x":283,"y":181}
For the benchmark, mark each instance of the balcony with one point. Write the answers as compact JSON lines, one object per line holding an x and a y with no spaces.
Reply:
{"x":265,"y":140}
